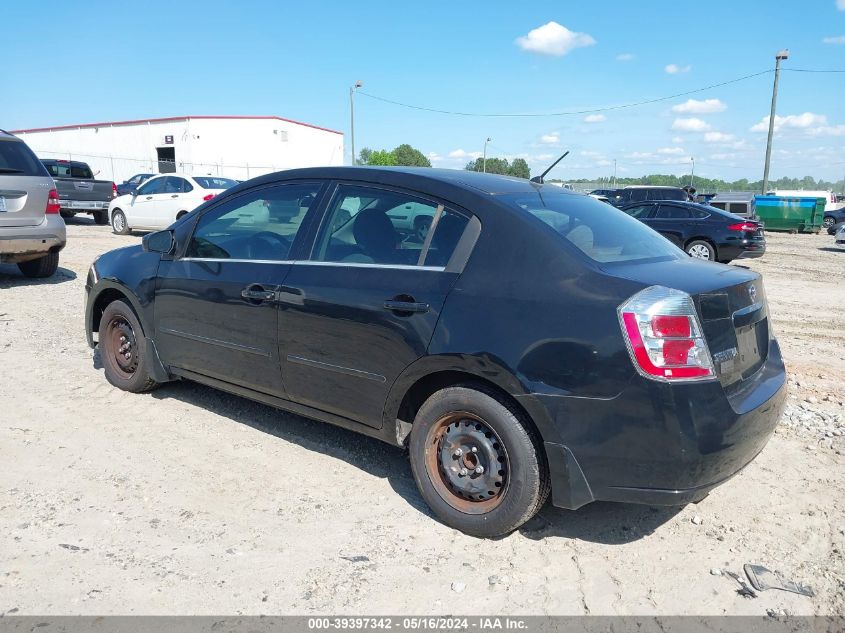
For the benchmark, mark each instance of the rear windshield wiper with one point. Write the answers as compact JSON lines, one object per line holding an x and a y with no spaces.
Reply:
{"x":9,"y":170}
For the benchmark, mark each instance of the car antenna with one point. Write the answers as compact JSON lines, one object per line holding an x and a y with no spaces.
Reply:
{"x":539,"y":179}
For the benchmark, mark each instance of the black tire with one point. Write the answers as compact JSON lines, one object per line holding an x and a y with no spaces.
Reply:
{"x":828,"y":222}
{"x":121,"y":333}
{"x":471,"y":416}
{"x":42,"y":267}
{"x":67,"y":214}
{"x":698,"y":248}
{"x":119,"y":225}
{"x":101,"y":217}
{"x":181,"y":215}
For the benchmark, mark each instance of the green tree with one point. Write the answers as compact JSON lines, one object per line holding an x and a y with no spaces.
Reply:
{"x":408,"y":156}
{"x":494,"y":166}
{"x":382,"y":158}
{"x":364,"y":156}
{"x":519,"y":168}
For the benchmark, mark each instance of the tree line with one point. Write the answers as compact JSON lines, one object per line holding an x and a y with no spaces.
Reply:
{"x":408,"y":156}
{"x":704,"y":185}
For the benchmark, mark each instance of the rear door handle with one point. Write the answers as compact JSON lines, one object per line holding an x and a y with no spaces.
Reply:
{"x":256,"y":293}
{"x":175,"y":195}
{"x":405,"y":306}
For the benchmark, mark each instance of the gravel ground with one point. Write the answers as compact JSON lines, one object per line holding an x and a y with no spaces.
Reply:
{"x":191,"y":501}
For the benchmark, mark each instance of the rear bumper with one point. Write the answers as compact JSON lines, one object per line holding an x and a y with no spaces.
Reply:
{"x":661,"y":444}
{"x":23,"y":243}
{"x":84,"y":206}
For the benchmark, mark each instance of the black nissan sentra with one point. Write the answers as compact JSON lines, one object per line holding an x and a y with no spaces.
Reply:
{"x":526,"y":339}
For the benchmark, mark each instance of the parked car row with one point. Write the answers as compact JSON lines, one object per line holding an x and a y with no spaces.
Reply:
{"x":78,"y":191}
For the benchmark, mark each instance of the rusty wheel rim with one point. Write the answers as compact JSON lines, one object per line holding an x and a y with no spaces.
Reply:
{"x":122,"y":348}
{"x":467,"y":463}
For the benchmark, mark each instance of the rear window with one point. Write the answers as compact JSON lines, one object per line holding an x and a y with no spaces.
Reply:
{"x":17,"y":159}
{"x":214,"y":182}
{"x":69,"y":170}
{"x":601,"y":232}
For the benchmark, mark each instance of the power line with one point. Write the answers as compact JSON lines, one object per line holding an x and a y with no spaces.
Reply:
{"x":571,"y":112}
{"x":810,"y":70}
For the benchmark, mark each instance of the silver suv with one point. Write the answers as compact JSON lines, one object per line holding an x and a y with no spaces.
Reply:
{"x":31,"y":230}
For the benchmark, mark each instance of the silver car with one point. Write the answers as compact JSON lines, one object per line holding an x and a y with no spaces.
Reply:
{"x":840,"y":234}
{"x":31,"y":230}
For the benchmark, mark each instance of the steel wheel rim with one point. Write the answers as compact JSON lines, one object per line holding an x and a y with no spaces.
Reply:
{"x":118,"y":222}
{"x":828,"y":222}
{"x":699,"y":251}
{"x":470,"y":481}
{"x":122,"y":350}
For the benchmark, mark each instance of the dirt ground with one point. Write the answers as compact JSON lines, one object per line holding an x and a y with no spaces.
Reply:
{"x":191,"y":501}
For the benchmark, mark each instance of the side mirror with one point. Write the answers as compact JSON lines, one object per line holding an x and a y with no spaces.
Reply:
{"x":158,"y":242}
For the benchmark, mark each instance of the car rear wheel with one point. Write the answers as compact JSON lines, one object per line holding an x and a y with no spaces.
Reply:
{"x":828,"y":222}
{"x":42,"y":267}
{"x":101,"y":217}
{"x":699,"y":249}
{"x":67,"y":214}
{"x":123,"y":349}
{"x":118,"y":223}
{"x":477,"y":464}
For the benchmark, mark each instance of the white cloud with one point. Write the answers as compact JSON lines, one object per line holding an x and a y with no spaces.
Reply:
{"x":677,"y":139}
{"x":671,"y":151}
{"x":794,"y":121}
{"x":690,"y":124}
{"x":723,"y":156}
{"x":693,"y":106}
{"x":594,"y":118}
{"x":674,"y":69}
{"x":718,"y":137}
{"x":591,"y":153}
{"x":459,"y":153}
{"x":827,"y":130}
{"x":639,"y":155}
{"x":624,"y":57}
{"x":604,"y":163}
{"x":552,"y":138}
{"x":840,"y":39}
{"x":840,"y":4}
{"x":553,"y":39}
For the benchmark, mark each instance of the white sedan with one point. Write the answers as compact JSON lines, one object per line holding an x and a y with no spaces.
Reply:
{"x":162,"y":200}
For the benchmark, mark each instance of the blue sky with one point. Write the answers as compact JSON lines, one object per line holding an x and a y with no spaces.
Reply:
{"x":100,"y":61}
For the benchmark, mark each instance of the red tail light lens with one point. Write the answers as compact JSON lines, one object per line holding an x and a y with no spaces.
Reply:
{"x":208,"y":197}
{"x":53,"y":205}
{"x":113,"y":190}
{"x":742,"y":226}
{"x":664,"y":337}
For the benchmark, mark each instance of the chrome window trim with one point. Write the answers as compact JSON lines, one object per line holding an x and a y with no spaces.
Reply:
{"x":310,"y":263}
{"x":236,"y":260}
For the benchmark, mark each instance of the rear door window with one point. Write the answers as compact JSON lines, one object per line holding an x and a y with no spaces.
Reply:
{"x":641,"y":211}
{"x":156,"y":185}
{"x":17,"y":158}
{"x":672,"y":212}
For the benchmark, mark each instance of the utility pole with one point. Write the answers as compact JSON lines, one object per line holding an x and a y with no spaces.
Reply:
{"x":692,"y":173}
{"x":484,"y":162}
{"x":782,"y":54}
{"x":352,"y":89}
{"x":614,"y":173}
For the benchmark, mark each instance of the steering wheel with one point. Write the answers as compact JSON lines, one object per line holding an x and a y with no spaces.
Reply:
{"x":260,"y":240}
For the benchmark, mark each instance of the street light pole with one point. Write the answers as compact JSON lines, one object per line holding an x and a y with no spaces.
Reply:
{"x":614,"y":173}
{"x":782,"y":54}
{"x":484,"y":162}
{"x":692,"y":173}
{"x":352,"y":88}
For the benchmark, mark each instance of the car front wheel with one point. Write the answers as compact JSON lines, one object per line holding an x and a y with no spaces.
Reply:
{"x":123,"y":349}
{"x":118,"y":223}
{"x":699,"y":249}
{"x":828,"y":222}
{"x":477,"y":464}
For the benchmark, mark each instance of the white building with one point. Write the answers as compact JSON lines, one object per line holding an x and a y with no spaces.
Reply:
{"x":239,"y":147}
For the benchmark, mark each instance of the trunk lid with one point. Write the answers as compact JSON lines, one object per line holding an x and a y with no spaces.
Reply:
{"x":24,"y":184}
{"x":731,"y":305}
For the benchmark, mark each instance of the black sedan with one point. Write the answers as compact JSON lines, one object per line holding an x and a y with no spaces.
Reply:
{"x":533,"y":341}
{"x":704,"y":232}
{"x":832,"y":218}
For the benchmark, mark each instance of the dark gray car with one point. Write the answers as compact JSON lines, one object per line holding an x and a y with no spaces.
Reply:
{"x":31,"y":230}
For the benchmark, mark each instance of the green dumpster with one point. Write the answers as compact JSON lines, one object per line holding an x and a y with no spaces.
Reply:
{"x":796,"y":215}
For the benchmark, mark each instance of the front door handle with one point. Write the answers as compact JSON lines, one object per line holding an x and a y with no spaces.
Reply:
{"x":175,"y":195}
{"x":256,"y":293}
{"x":405,"y":305}
{"x":149,"y":197}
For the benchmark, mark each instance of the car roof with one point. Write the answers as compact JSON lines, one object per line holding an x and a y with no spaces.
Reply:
{"x":476,"y":182}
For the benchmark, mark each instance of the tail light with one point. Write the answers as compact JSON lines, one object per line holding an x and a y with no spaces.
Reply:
{"x":743,"y":226}
{"x":664,"y":337}
{"x":53,"y":204}
{"x":113,"y":190}
{"x":208,"y":197}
